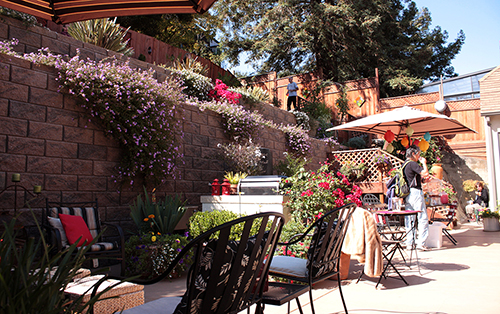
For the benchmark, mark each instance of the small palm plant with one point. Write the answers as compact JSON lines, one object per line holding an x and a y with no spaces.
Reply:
{"x":104,"y":33}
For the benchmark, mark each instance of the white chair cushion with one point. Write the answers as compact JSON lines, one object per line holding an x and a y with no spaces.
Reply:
{"x":287,"y":265}
{"x":56,"y":223}
{"x":162,"y":305}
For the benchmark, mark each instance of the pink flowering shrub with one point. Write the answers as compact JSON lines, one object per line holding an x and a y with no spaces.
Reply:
{"x":221,"y":91}
{"x":313,"y":193}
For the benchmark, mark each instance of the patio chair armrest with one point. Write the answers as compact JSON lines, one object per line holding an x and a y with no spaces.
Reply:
{"x":119,"y":230}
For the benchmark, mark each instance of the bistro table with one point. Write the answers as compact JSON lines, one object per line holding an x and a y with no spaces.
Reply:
{"x":398,"y":234}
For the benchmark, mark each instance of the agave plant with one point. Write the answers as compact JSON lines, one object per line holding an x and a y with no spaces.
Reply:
{"x":190,"y":64}
{"x":252,"y":94}
{"x":103,"y":33}
{"x":157,"y":216}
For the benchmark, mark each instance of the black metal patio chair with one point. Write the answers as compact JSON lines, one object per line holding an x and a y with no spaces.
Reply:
{"x":226,"y":276}
{"x":323,"y":257}
{"x":111,"y":240}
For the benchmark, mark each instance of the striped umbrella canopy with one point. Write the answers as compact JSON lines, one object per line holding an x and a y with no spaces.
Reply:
{"x":398,"y":120}
{"x":69,"y":11}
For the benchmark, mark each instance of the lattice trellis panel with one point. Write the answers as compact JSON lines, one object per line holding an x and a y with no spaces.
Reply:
{"x":365,"y":156}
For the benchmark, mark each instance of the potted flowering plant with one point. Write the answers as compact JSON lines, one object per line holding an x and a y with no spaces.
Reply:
{"x":382,"y":162}
{"x":313,"y":193}
{"x":490,"y":219}
{"x":149,"y":254}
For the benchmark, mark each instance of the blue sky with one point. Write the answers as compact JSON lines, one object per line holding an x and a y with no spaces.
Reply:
{"x":480,"y":21}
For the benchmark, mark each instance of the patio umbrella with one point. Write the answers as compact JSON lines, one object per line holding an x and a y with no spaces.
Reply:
{"x":68,"y":11}
{"x":399,"y":119}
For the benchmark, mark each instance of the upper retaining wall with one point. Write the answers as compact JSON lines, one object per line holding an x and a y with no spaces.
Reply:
{"x":47,"y":138}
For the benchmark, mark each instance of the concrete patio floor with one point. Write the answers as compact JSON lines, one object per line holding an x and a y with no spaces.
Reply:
{"x":453,"y":279}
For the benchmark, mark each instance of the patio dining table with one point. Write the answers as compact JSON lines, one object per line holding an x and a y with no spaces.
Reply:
{"x":400,"y":235}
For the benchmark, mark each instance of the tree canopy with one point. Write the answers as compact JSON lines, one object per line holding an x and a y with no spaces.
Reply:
{"x":342,"y":39}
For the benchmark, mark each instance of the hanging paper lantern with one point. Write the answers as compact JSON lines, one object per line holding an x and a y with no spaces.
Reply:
{"x":415,"y":142}
{"x":409,"y":130}
{"x":389,"y":136}
{"x":390,"y":148}
{"x":405,"y":141}
{"x":427,"y":136}
{"x":424,"y":145}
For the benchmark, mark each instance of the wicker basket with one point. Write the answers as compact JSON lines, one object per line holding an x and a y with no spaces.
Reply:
{"x":127,"y":294}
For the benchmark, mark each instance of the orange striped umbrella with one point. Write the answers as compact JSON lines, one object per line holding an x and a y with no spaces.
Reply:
{"x":68,"y":11}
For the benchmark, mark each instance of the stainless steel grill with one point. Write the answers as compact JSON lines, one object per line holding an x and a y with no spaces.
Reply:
{"x":259,"y":185}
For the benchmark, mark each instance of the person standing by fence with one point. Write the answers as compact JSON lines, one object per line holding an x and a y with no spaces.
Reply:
{"x":292,"y":88}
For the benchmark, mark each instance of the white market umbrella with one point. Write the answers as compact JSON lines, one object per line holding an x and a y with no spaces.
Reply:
{"x":398,"y":119}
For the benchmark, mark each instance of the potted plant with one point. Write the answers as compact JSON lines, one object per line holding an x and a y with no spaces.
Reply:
{"x":149,"y":254}
{"x":382,"y":162}
{"x":234,"y":178}
{"x":490,"y":220}
{"x":354,"y":171}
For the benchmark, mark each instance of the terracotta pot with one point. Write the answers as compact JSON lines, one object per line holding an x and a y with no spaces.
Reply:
{"x":234,"y":189}
{"x":437,"y":170}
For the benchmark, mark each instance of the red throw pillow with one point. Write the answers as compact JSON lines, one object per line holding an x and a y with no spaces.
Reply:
{"x":75,"y":227}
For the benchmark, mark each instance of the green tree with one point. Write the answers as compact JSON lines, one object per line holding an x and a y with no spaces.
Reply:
{"x":190,"y":32}
{"x":343,"y":39}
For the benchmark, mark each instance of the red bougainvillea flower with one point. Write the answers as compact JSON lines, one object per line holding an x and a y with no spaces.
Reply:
{"x":324,"y":185}
{"x":307,"y":193}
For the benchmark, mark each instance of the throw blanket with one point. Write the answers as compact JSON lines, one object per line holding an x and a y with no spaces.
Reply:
{"x":363,"y":241}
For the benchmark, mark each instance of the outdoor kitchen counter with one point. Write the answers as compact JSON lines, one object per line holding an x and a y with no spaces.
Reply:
{"x":246,"y":204}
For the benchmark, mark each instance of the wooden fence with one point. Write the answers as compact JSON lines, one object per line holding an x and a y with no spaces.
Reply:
{"x":363,"y":91}
{"x":155,"y":51}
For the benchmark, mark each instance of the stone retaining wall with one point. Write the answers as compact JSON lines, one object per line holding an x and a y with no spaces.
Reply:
{"x":47,"y":138}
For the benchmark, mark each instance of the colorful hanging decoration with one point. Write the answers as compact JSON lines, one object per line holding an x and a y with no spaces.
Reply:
{"x":415,"y":142}
{"x":390,"y":148}
{"x":360,"y":101}
{"x":424,"y":145}
{"x":409,"y":130}
{"x":389,"y":136}
{"x":427,"y":136}
{"x":405,"y":141}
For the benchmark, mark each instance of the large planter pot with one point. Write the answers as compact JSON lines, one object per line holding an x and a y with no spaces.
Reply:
{"x":491,"y":224}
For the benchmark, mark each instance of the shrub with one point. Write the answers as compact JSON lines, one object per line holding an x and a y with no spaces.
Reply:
{"x":252,"y":94}
{"x":148,"y":254}
{"x":290,"y":229}
{"x":245,"y":157}
{"x":291,"y":165}
{"x":201,"y":222}
{"x":195,"y":84}
{"x":302,"y":120}
{"x":313,"y":193}
{"x":356,"y":142}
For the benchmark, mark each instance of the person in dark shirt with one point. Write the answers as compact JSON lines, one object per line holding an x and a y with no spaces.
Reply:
{"x":481,"y":201}
{"x":415,"y":201}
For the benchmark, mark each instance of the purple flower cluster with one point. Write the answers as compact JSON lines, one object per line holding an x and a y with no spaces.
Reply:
{"x":134,"y":108}
{"x":297,"y":140}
